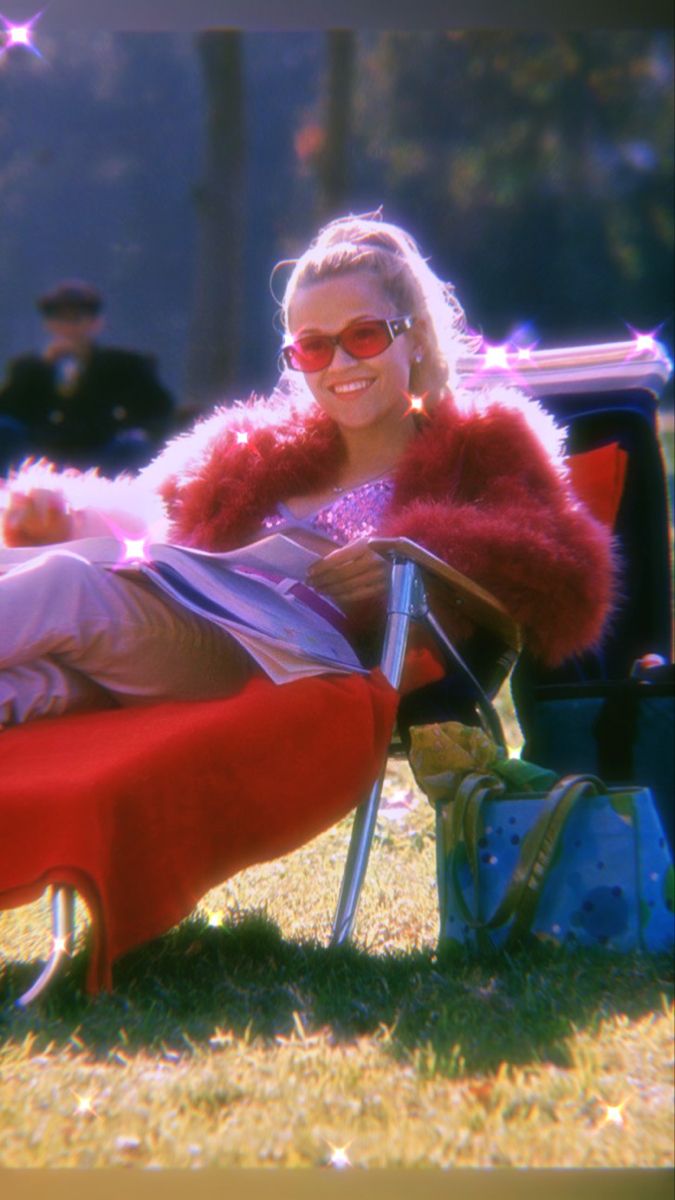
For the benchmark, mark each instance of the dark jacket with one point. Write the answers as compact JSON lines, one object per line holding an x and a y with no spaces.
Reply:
{"x":115,"y":392}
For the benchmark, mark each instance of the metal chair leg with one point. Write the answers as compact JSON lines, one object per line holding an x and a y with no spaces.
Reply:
{"x":406,"y":600}
{"x":63,"y":936}
{"x":489,"y":717}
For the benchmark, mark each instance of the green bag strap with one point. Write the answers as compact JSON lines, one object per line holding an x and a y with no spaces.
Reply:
{"x":466,"y":812}
{"x":564,"y":797}
{"x":465,"y":820}
{"x":537,"y":850}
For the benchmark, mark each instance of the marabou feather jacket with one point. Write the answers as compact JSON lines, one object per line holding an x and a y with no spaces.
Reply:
{"x":483,"y":485}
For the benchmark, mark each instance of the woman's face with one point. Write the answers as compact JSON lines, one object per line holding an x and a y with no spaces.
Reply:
{"x":376,"y":385}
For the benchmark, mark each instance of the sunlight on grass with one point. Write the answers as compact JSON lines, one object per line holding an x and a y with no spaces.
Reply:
{"x":241,"y":1039}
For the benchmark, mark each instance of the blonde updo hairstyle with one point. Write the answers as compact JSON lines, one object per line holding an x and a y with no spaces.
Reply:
{"x":367,"y":243}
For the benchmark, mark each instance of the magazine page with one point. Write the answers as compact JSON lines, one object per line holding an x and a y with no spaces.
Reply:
{"x":252,"y":601}
{"x":278,"y":553}
{"x":287,"y":632}
{"x":283,"y":667}
{"x":272,"y":629}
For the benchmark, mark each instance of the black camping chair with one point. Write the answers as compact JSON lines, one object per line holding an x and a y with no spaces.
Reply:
{"x":611,"y":712}
{"x":569,"y":717}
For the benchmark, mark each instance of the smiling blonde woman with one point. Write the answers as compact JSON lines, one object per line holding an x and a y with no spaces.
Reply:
{"x":367,"y":432}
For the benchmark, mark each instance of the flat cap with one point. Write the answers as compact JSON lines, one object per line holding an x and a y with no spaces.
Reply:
{"x":70,"y":295}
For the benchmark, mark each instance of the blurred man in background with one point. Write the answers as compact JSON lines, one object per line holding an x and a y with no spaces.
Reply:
{"x":78,"y":403}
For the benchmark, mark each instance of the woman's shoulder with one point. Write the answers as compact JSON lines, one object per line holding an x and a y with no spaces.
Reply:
{"x":472,"y":434}
{"x":498,"y":410}
{"x":254,"y":427}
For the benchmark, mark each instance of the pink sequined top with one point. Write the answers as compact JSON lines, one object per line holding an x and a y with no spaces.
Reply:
{"x":352,"y":514}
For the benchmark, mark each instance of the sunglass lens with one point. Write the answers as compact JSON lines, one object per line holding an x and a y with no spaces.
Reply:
{"x":310,"y":353}
{"x":366,"y":340}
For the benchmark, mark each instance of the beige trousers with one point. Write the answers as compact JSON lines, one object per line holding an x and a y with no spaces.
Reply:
{"x":74,"y":636}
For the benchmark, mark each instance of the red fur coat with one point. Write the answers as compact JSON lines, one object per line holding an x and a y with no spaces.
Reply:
{"x":483,"y":487}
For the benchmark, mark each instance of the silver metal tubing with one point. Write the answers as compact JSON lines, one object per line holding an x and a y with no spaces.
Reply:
{"x":486,"y":710}
{"x":63,"y":937}
{"x":406,"y":600}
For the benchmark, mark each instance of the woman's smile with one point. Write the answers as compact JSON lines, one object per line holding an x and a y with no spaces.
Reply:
{"x":351,"y":387}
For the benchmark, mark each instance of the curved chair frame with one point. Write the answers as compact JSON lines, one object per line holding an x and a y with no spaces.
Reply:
{"x":414,"y":572}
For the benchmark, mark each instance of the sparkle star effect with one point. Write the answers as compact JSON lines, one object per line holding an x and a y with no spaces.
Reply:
{"x":135,"y":550}
{"x":85,"y":1104}
{"x":19,"y":35}
{"x":60,"y":946}
{"x":415,"y":403}
{"x":643,"y":341}
{"x":507,"y":358}
{"x":339,"y":1157}
{"x":496,"y":356}
{"x":613,"y":1114}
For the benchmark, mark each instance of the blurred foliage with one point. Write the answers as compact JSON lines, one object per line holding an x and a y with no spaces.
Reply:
{"x":540,"y":164}
{"x":535,"y":169}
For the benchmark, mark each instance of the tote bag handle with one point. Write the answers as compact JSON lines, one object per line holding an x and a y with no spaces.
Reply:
{"x":522,"y":893}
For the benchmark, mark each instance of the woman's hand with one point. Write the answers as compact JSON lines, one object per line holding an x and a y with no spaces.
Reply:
{"x":36,"y":519}
{"x":351,"y":573}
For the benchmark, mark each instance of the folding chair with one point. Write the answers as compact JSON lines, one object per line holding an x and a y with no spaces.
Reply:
{"x":603,"y":394}
{"x":499,"y":646}
{"x":425,"y":589}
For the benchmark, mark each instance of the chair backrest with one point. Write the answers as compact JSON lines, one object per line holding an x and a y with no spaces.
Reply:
{"x":608,"y":395}
{"x":605,"y":396}
{"x":642,"y":623}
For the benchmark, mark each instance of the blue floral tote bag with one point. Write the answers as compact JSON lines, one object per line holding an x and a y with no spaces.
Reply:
{"x":522,"y":855}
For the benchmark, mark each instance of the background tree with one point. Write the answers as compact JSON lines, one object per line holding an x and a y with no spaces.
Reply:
{"x":332,"y":158}
{"x":537,"y":167}
{"x":220,"y":202}
{"x":536,"y":170}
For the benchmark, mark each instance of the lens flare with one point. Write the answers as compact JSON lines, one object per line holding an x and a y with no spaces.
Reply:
{"x":643,"y":341}
{"x":496,"y":357}
{"x":135,"y":550}
{"x":415,"y":404}
{"x":19,"y":35}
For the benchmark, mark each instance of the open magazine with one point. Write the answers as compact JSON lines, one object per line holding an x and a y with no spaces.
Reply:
{"x":251,"y":592}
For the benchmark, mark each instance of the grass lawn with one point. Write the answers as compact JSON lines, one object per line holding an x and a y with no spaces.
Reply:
{"x":239,"y":1039}
{"x":249,"y":1043}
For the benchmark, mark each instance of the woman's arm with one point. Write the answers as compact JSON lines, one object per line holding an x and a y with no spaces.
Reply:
{"x":516,"y":528}
{"x":41,"y":505}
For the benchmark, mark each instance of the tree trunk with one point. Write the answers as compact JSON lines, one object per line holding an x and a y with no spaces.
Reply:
{"x":220,"y":202}
{"x":332,"y":167}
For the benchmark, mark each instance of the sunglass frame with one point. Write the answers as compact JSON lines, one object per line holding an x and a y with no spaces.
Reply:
{"x":394,"y":326}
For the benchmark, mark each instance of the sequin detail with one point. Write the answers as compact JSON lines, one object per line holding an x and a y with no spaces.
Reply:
{"x":356,"y":513}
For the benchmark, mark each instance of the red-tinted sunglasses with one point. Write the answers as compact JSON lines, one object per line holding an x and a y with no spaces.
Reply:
{"x":360,"y":339}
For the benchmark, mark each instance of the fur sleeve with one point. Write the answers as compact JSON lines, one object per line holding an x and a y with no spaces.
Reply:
{"x":514,"y":526}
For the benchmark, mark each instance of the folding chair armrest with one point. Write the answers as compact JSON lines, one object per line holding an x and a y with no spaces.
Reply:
{"x":447,"y":589}
{"x":642,"y":362}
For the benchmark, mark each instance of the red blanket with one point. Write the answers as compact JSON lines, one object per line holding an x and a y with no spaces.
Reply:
{"x":143,"y":810}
